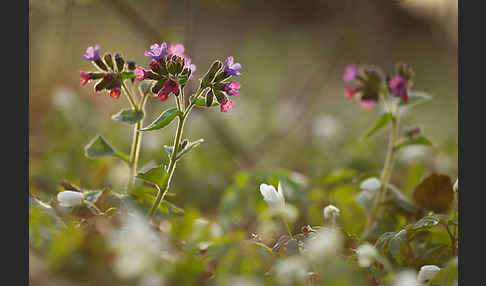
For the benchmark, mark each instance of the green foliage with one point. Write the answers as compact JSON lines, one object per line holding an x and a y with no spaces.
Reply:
{"x":163,"y":120}
{"x":128,"y":116}
{"x":156,"y":175}
{"x":416,"y":97}
{"x":381,"y":123}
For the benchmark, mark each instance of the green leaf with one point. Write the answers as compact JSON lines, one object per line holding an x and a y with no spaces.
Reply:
{"x":416,"y":97}
{"x":382,"y":122}
{"x":201,"y":101}
{"x":447,"y":276}
{"x":435,"y":193}
{"x":401,"y":200}
{"x":145,"y":86}
{"x":128,"y":116}
{"x":163,"y":120}
{"x":398,"y":247}
{"x":156,"y":175}
{"x":189,"y":146}
{"x":128,"y":75}
{"x":417,"y":141}
{"x":98,"y":147}
{"x":426,"y":223}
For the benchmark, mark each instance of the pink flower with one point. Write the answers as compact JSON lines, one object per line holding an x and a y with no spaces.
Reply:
{"x":228,"y":104}
{"x":170,"y":86}
{"x":140,"y":74}
{"x":367,"y":104}
{"x":349,"y":92}
{"x":115,"y":92}
{"x":232,"y":88}
{"x":85,"y":77}
{"x":177,"y":50}
{"x":350,"y":73}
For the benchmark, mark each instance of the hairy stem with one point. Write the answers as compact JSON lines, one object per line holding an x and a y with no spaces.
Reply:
{"x":385,"y":173}
{"x":173,"y":158}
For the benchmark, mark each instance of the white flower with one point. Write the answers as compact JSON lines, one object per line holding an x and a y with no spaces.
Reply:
{"x":456,"y":185}
{"x":427,"y":272}
{"x":406,"y":278}
{"x":273,"y":198}
{"x":366,"y":254}
{"x":370,"y":184}
{"x":290,"y":270}
{"x":331,"y":212}
{"x":327,"y":241}
{"x":70,"y":198}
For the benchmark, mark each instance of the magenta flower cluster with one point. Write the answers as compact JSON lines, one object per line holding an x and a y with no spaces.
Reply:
{"x":368,"y":83}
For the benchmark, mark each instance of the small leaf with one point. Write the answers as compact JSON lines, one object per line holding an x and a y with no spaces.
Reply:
{"x":417,"y":141}
{"x":202,"y":102}
{"x":145,"y":86}
{"x":435,"y":193}
{"x":128,"y":116}
{"x":163,"y":120}
{"x":187,"y":148}
{"x":98,"y":147}
{"x":401,"y":200}
{"x":128,"y":75}
{"x":426,"y":222}
{"x":398,"y":243}
{"x":156,"y":175}
{"x":416,"y":97}
{"x":382,"y":122}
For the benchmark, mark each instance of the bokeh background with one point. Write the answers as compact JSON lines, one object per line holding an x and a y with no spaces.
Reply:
{"x":291,"y":117}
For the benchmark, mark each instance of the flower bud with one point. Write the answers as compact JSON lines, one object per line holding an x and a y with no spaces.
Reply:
{"x":370,"y":184}
{"x":209,"y":76}
{"x":108,"y":60}
{"x":120,"y":62}
{"x":102,"y":84}
{"x":70,"y":198}
{"x":163,"y":67}
{"x":158,"y":86}
{"x":427,"y":272}
{"x":180,"y":65}
{"x":154,"y":66}
{"x":172,"y":67}
{"x":99,"y":63}
{"x":413,"y":131}
{"x":331,"y":212}
{"x":131,"y":65}
{"x":209,"y":98}
{"x":184,"y":143}
{"x":366,"y":255}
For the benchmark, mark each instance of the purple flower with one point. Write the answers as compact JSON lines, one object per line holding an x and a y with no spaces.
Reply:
{"x":177,"y":50}
{"x":398,"y":87}
{"x":92,"y":53}
{"x":140,"y":74}
{"x":232,"y":88}
{"x":156,"y":52}
{"x":350,"y":73}
{"x":188,"y":64}
{"x":231,"y":67}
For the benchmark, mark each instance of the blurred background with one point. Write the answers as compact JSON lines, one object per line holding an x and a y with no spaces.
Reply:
{"x":291,"y":118}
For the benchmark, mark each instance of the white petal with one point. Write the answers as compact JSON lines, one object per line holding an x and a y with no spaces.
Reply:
{"x":331,"y":211}
{"x":427,"y":272}
{"x":270,"y":195}
{"x":370,"y":184}
{"x":280,"y":192}
{"x":70,"y":198}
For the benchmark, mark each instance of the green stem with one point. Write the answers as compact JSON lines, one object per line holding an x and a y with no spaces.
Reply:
{"x":173,"y":158}
{"x":136,"y":143}
{"x":385,"y":174}
{"x":129,"y":97}
{"x":287,"y":227}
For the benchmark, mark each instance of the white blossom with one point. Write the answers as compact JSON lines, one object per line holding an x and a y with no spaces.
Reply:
{"x":327,"y":241}
{"x":406,"y":278}
{"x":331,"y":211}
{"x":370,"y":184}
{"x":70,"y":198}
{"x":366,"y":255}
{"x":290,"y":270}
{"x":273,"y":198}
{"x":427,"y":272}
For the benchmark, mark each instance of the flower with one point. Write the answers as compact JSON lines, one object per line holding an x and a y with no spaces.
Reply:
{"x":156,"y":52}
{"x":456,"y":185}
{"x":227,"y":105}
{"x":367,"y":104}
{"x":188,"y":64}
{"x":115,"y":92}
{"x":273,"y":198}
{"x":331,"y":212}
{"x":406,"y":278}
{"x":427,"y":272}
{"x":177,"y":49}
{"x":85,"y":77}
{"x":291,"y":270}
{"x":398,"y":87}
{"x":370,"y":184}
{"x":170,"y":86}
{"x":92,"y":53}
{"x":232,"y":88}
{"x":327,"y":241}
{"x":70,"y":198}
{"x":349,"y":92}
{"x":232,"y":68}
{"x":140,"y":74}
{"x":350,"y":73}
{"x":366,"y":254}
